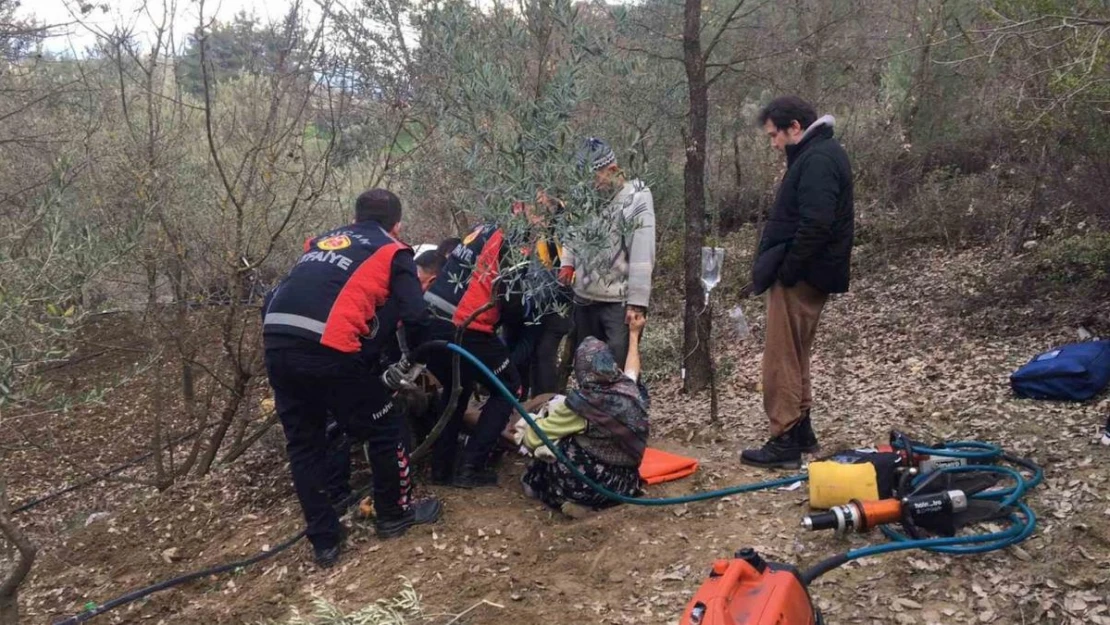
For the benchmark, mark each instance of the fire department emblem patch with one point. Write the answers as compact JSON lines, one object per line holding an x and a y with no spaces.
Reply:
{"x":331,"y":244}
{"x":473,"y":235}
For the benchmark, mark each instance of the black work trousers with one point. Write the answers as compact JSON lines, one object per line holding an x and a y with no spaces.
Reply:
{"x":603,"y":321}
{"x":544,"y":364}
{"x":337,"y":464}
{"x":310,"y":382}
{"x":495,"y":414}
{"x":535,"y":353}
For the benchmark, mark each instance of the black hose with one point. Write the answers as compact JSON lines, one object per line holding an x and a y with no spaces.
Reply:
{"x":135,"y":595}
{"x":140,"y":593}
{"x":425,"y":447}
{"x":822,"y":567}
{"x":417,"y":355}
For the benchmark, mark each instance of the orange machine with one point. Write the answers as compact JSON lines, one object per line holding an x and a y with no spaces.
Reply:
{"x":747,"y":590}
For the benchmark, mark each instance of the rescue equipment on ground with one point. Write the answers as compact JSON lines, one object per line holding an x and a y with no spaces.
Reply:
{"x":936,"y":492}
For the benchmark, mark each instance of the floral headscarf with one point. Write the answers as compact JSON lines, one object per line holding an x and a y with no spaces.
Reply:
{"x":609,"y":399}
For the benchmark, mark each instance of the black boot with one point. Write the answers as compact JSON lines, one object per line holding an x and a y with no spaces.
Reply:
{"x":420,"y":512}
{"x":326,"y":557}
{"x":470,"y":476}
{"x":781,"y":452}
{"x":804,"y":437}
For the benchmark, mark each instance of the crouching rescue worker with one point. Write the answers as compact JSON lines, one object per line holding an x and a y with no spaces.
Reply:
{"x":315,"y":325}
{"x":470,"y":292}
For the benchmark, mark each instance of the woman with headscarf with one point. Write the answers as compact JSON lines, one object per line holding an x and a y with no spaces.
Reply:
{"x":602,"y":427}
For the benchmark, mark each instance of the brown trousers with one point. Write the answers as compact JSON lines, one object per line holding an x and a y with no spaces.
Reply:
{"x":792,"y":316}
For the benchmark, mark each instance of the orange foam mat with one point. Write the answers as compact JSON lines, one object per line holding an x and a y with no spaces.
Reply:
{"x":660,"y":466}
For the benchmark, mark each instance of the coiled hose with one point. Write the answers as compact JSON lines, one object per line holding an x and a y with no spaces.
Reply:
{"x":1023,"y":521}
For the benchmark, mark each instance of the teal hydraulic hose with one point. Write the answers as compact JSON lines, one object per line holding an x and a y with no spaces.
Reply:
{"x":1023,"y":520}
{"x":1023,"y":523}
{"x":968,"y":450}
{"x":638,"y":501}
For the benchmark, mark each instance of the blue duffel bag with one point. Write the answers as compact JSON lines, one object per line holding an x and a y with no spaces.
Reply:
{"x":1075,"y":372}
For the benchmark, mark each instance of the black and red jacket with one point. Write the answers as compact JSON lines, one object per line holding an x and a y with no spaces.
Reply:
{"x":333,"y":294}
{"x":470,"y":279}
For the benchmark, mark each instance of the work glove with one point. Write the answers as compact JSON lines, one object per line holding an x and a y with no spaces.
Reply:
{"x":566,"y":275}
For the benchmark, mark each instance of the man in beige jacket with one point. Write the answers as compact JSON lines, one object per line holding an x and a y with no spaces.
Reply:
{"x":610,"y":260}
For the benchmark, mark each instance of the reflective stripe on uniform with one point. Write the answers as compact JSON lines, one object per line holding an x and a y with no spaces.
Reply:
{"x":297,"y":321}
{"x":439,"y":303}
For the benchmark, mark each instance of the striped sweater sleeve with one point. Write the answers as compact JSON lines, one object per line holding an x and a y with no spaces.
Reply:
{"x":641,"y":248}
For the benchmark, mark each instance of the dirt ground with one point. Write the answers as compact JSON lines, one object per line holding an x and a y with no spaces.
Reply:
{"x":917,"y":346}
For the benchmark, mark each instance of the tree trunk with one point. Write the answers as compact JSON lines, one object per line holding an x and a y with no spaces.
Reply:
{"x":695,"y":345}
{"x":151,"y":282}
{"x":809,"y":47}
{"x":243,"y":422}
{"x":234,"y":402}
{"x":1034,"y":209}
{"x":922,"y":74}
{"x":9,"y":609}
{"x":23,"y":557}
{"x":247,"y":441}
{"x":162,"y":478}
{"x":566,"y":361}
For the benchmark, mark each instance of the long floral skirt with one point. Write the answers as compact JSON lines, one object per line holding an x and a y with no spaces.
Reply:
{"x":553,"y":483}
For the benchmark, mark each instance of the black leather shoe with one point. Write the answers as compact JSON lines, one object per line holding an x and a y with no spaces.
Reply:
{"x":473,"y":477}
{"x":781,"y":452}
{"x":420,"y":512}
{"x":804,"y":438}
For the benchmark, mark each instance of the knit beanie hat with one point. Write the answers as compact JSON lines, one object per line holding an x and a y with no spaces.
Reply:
{"x":595,"y":154}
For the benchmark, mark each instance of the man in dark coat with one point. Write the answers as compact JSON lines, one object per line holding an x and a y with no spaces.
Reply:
{"x":803,"y":257}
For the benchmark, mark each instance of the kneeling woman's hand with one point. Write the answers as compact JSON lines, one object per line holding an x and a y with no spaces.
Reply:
{"x":636,"y":318}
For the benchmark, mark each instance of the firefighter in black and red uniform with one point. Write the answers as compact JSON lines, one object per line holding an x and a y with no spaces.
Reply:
{"x":534,"y":339}
{"x":469,"y":280}
{"x":316,"y":323}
